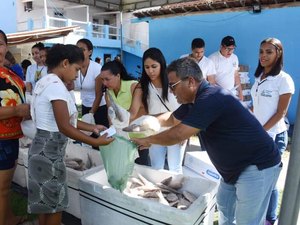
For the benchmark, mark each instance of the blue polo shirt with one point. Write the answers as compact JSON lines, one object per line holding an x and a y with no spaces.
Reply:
{"x":233,"y":137}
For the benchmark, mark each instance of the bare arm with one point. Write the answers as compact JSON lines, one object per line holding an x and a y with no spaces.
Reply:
{"x":172,"y":136}
{"x":283,"y":105}
{"x":237,"y":82}
{"x":61,"y":115}
{"x":28,"y":86}
{"x":167,"y":119}
{"x":211,"y":78}
{"x":22,"y":110}
{"x":98,"y":94}
{"x":136,"y":102}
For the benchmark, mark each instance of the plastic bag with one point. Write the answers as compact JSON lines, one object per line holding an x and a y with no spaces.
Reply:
{"x":143,"y":126}
{"x":118,"y":159}
{"x":119,"y":120}
{"x":28,"y":128}
{"x":88,"y":118}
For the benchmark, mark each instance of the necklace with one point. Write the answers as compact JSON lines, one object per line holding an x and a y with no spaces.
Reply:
{"x":81,"y":79}
{"x":38,"y":73}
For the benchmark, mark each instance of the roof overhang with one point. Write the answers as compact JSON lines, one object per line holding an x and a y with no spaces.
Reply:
{"x":38,"y":35}
{"x":212,"y":6}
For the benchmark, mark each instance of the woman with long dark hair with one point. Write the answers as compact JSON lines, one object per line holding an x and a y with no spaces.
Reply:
{"x":155,"y":96}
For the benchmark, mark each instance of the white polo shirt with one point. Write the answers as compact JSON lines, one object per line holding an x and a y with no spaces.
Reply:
{"x":225,"y":69}
{"x":265,"y":96}
{"x":206,"y":65}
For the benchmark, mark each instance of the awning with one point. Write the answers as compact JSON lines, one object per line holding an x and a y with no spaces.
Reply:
{"x":38,"y":35}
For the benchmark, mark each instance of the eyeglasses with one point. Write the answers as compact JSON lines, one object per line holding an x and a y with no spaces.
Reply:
{"x":172,"y":86}
{"x":228,"y":49}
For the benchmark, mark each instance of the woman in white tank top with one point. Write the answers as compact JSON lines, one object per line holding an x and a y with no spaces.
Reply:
{"x":153,"y":92}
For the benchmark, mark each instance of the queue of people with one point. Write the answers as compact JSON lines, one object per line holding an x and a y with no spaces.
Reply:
{"x":194,"y":95}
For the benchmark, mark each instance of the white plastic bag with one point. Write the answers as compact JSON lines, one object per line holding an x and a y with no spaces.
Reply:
{"x":120,"y":120}
{"x":143,"y":126}
{"x":28,"y":128}
{"x":88,"y":118}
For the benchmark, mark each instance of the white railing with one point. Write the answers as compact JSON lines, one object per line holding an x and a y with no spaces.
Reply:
{"x":86,"y":29}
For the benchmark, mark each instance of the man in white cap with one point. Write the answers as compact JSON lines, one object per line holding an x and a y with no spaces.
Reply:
{"x":227,"y":67}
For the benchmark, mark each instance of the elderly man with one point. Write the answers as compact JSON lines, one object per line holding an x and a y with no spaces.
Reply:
{"x":243,"y":153}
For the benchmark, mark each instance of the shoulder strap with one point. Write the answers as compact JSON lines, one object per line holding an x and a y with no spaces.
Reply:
{"x":160,"y":98}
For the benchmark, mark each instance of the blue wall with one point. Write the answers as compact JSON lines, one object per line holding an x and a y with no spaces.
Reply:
{"x":8,"y":16}
{"x":131,"y":62}
{"x":174,"y":35}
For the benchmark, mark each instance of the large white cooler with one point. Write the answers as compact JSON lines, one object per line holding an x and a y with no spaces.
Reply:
{"x":73,"y":176}
{"x":199,"y":162}
{"x":20,"y":172}
{"x":103,"y":205}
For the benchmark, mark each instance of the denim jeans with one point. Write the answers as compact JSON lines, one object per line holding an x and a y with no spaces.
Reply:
{"x":174,"y":153}
{"x":246,"y":202}
{"x":281,"y":141}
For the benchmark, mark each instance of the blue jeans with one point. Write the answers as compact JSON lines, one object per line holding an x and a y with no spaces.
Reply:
{"x":281,"y":140}
{"x":246,"y":202}
{"x":174,"y":153}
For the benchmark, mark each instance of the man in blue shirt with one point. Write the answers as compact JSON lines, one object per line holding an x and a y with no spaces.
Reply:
{"x":240,"y":149}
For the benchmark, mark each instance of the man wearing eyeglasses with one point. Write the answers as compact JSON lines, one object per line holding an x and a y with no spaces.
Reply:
{"x":227,"y":67}
{"x":238,"y":146}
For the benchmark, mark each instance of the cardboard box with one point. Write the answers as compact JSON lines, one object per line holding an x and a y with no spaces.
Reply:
{"x":199,"y":162}
{"x":101,"y":204}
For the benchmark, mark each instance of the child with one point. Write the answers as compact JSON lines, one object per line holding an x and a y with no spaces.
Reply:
{"x":55,"y":116}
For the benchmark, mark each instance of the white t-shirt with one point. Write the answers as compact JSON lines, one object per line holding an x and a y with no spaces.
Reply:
{"x":47,"y":89}
{"x":34,"y":73}
{"x":86,"y":84}
{"x":265,"y":96}
{"x":225,"y":70}
{"x":206,"y":65}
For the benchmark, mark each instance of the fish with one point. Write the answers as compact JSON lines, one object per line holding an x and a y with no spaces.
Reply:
{"x":161,"y":192}
{"x":116,"y":108}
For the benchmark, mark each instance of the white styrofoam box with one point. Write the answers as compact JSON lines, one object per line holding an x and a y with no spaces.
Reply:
{"x":187,"y":172}
{"x":199,"y":162}
{"x":20,"y":172}
{"x":244,"y":77}
{"x":73,"y":176}
{"x":247,"y":92}
{"x":112,"y":207}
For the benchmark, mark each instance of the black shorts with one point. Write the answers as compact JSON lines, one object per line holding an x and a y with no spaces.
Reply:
{"x":9,"y":151}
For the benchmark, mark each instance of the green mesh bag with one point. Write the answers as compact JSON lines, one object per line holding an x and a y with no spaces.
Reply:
{"x":118,"y":158}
